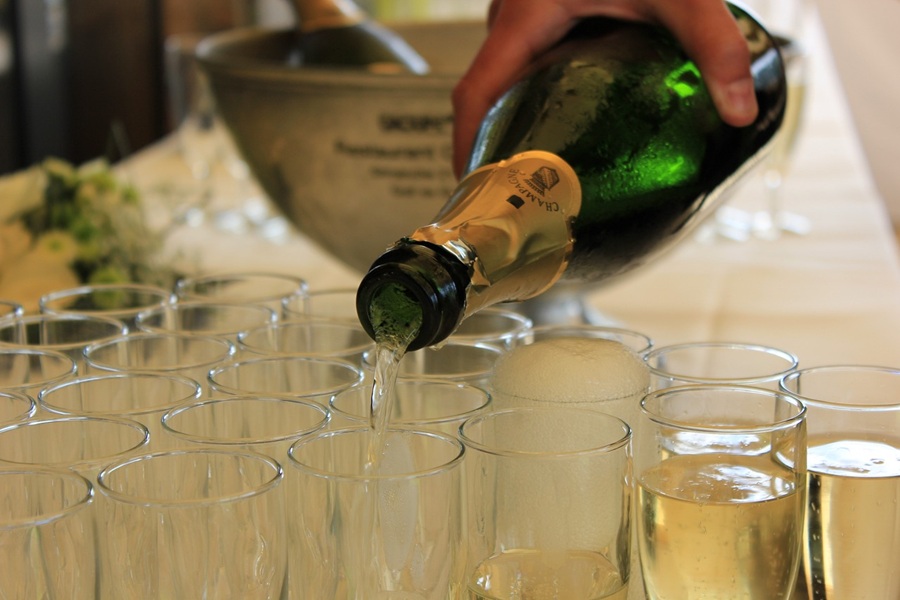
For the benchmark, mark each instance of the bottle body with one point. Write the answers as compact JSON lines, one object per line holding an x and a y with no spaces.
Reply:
{"x":337,"y":33}
{"x":620,"y":109}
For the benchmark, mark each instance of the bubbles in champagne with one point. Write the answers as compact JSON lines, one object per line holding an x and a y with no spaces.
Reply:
{"x":570,"y":370}
{"x":594,"y":373}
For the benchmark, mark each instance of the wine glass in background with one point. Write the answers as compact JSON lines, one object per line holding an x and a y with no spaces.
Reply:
{"x":231,"y":202}
{"x":193,"y":115}
{"x":770,"y":222}
{"x":787,"y":20}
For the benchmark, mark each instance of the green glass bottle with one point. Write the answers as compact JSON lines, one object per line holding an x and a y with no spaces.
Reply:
{"x":606,"y":154}
{"x":337,"y":33}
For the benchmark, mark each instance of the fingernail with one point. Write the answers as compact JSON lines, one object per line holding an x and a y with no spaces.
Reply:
{"x":741,"y":100}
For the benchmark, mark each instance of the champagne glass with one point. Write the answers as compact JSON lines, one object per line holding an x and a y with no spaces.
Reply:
{"x":786,"y":20}
{"x":720,"y":492}
{"x":717,"y":363}
{"x":549,"y":504}
{"x":224,"y":192}
{"x":192,"y":110}
{"x":194,"y":523}
{"x":46,"y":538}
{"x":852,"y":523}
{"x":774,"y":220}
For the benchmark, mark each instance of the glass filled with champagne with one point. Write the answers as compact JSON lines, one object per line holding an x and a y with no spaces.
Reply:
{"x":851,"y":541}
{"x":720,"y":492}
{"x":548,"y":504}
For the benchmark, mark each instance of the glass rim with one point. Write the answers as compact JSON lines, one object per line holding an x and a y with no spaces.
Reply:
{"x":467,"y":375}
{"x":421,"y":473}
{"x":44,"y":300}
{"x":143,"y":319}
{"x":126,"y":498}
{"x":139,"y":336}
{"x":420,"y":421}
{"x":20,"y":350}
{"x":523,"y":326}
{"x":240,"y":274}
{"x":312,"y":294}
{"x":79,"y":503}
{"x":187,"y":382}
{"x":26,"y":320}
{"x":182,"y":283}
{"x":790,"y":357}
{"x":81,"y":462}
{"x":299,"y":320}
{"x":774,"y":425}
{"x":234,"y":365}
{"x":16,"y":309}
{"x":838,"y":405}
{"x":176,"y":411}
{"x":7,"y":392}
{"x":571,"y":411}
{"x":579,"y":328}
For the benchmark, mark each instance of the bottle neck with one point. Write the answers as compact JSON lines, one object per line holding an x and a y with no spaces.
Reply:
{"x":414,"y":293}
{"x":510,"y":223}
{"x":505,"y":235}
{"x":313,"y":15}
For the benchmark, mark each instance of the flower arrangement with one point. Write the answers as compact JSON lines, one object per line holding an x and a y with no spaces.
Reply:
{"x":62,"y":226}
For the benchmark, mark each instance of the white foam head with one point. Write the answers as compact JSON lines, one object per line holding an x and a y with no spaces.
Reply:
{"x":570,"y":370}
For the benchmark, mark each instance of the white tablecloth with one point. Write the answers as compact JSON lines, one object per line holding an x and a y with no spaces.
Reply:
{"x":830,"y":296}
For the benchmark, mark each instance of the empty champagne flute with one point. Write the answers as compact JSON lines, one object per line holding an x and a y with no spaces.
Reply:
{"x":205,"y":318}
{"x":493,"y":326}
{"x":335,"y":303}
{"x":141,"y":396}
{"x":307,"y":337}
{"x":774,"y":220}
{"x":788,"y":21}
{"x":118,"y":301}
{"x":29,"y":370}
{"x":292,"y":376}
{"x":84,"y":444}
{"x":702,"y":363}
{"x":394,"y":531}
{"x":46,"y":534}
{"x":69,"y":334}
{"x":452,"y":361}
{"x":200,"y":523}
{"x":183,"y":354}
{"x":424,"y":404}
{"x":267,"y":289}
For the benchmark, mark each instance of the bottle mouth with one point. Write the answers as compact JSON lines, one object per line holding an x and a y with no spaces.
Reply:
{"x":411,"y":285}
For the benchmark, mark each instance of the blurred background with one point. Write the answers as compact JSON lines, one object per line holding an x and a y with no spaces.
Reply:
{"x":86,"y":78}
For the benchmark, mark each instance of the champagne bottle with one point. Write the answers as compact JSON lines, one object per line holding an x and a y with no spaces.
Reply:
{"x":337,"y":33}
{"x":607,"y":153}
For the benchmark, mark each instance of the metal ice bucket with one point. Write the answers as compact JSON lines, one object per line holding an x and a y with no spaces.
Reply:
{"x":355,"y":160}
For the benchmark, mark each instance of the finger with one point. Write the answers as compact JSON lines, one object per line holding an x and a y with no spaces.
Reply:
{"x":711,"y":37}
{"x":522,"y":30}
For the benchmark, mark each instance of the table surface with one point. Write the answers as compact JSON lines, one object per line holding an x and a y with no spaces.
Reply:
{"x":831,"y":296}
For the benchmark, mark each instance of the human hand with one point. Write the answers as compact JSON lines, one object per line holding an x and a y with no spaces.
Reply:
{"x":521,"y":30}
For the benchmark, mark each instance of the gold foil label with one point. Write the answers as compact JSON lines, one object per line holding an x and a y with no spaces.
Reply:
{"x":511,"y":223}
